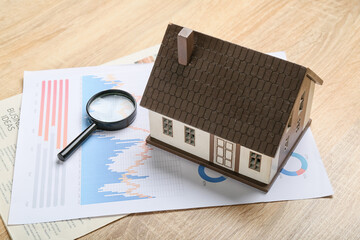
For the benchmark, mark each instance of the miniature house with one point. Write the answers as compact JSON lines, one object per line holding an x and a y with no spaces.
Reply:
{"x":232,"y":109}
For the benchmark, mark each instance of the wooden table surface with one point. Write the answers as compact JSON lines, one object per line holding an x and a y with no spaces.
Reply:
{"x":323,"y":35}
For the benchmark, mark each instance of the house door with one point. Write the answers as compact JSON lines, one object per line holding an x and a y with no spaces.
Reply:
{"x":224,"y":153}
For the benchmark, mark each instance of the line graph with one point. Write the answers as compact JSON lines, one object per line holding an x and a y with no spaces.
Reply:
{"x":114,"y":182}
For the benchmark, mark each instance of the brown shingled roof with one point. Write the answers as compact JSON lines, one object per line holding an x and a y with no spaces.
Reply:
{"x":230,"y":91}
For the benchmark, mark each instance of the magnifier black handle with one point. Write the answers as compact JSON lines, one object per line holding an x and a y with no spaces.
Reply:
{"x":66,"y":153}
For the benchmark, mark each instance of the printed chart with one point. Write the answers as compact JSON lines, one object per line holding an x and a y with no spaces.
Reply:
{"x":115,"y":172}
{"x":101,"y":179}
{"x":301,"y":170}
{"x":105,"y":176}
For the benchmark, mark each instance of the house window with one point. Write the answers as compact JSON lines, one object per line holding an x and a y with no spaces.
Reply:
{"x":301,"y":106}
{"x":224,"y":153}
{"x":167,"y":127}
{"x":190,"y":136}
{"x":298,"y":125}
{"x":255,"y":161}
{"x":286,"y":144}
{"x":289,"y":122}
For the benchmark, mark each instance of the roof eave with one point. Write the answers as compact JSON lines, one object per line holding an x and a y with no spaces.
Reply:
{"x":310,"y":74}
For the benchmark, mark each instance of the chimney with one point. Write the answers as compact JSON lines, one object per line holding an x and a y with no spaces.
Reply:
{"x":185,"y":44}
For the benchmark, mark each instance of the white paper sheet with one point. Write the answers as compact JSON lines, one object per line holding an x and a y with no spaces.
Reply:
{"x":115,"y":172}
{"x":67,"y":229}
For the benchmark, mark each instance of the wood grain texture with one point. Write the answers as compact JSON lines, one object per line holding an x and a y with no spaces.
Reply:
{"x":322,"y":35}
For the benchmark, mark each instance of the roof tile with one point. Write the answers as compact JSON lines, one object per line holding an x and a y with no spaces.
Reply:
{"x":255,"y":70}
{"x":275,"y":64}
{"x":243,"y":54}
{"x":269,"y":147}
{"x":218,"y":130}
{"x":226,"y":120}
{"x":237,"y":137}
{"x":269,"y":61}
{"x":295,"y":70}
{"x":178,"y":92}
{"x":202,"y":100}
{"x":200,"y":123}
{"x":274,"y":77}
{"x":161,"y":96}
{"x":230,"y":135}
{"x":250,"y":141}
{"x":171,"y":112}
{"x":222,"y":74}
{"x":249,"y":56}
{"x":262,"y":60}
{"x":183,"y":105}
{"x":223,"y":60}
{"x":248,"y":69}
{"x":256,"y":143}
{"x":232,"y":123}
{"x":270,"y":137}
{"x":218,"y":45}
{"x":281,"y":67}
{"x":279,"y":92}
{"x":177,"y":103}
{"x":195,"y":109}
{"x":257,"y":133}
{"x":201,"y":112}
{"x":256,"y":58}
{"x":262,"y":147}
{"x":208,"y":104}
{"x":267,"y":75}
{"x":237,"y":52}
{"x":177,"y":113}
{"x":212,"y":127}
{"x":288,"y":68}
{"x":243,"y":138}
{"x":182,"y":116}
{"x":206,"y":125}
{"x":250,"y":130}
{"x":207,"y":114}
{"x":166,"y":109}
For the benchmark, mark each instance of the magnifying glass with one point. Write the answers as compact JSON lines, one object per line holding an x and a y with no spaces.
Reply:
{"x":109,"y":110}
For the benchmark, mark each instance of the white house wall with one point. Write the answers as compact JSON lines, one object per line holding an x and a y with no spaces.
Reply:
{"x":274,"y":164}
{"x":202,"y":139}
{"x":266,"y":164}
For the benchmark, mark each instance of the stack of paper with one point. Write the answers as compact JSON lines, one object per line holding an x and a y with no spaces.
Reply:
{"x":116,"y":172}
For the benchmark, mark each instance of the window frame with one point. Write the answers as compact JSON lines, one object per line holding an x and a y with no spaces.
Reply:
{"x":301,"y":102}
{"x":286,"y":144}
{"x":169,"y":129}
{"x":226,"y":147}
{"x":298,"y":124}
{"x":289,"y":124}
{"x":191,"y":138}
{"x":255,"y":158}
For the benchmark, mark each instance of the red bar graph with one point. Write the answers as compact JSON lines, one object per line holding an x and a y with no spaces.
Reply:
{"x":66,"y":111}
{"x":54,"y":104}
{"x":54,"y":111}
{"x":58,"y":140}
{"x":47,"y":120}
{"x":41,"y":108}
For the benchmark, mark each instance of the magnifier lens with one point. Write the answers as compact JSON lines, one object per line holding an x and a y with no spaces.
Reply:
{"x":111,"y":108}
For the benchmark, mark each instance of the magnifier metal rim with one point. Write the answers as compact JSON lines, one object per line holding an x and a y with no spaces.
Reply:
{"x":115,"y":125}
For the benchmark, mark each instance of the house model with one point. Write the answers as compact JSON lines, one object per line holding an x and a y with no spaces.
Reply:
{"x":232,"y":109}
